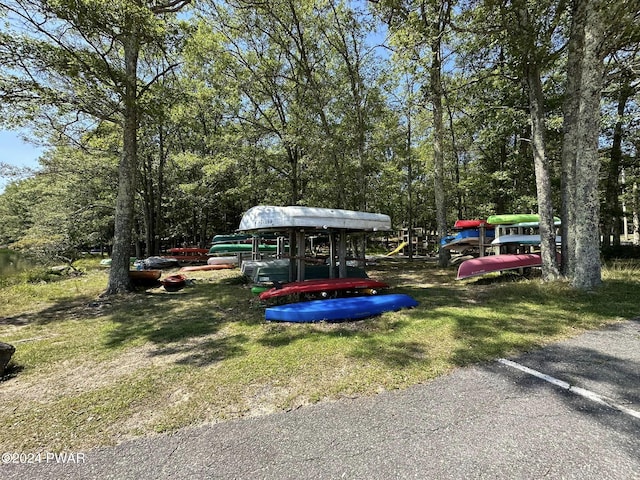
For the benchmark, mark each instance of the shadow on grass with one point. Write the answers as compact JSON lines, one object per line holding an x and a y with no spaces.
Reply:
{"x":189,"y":325}
{"x":63,"y":309}
{"x":218,"y":319}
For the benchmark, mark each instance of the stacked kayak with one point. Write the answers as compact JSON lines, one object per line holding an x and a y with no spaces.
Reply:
{"x":362,"y":300}
{"x":336,"y":309}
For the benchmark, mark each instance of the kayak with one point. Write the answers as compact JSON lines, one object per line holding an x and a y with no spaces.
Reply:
{"x":521,"y":240}
{"x":240,"y":247}
{"x":517,"y":218}
{"x":462,"y":224}
{"x":335,"y":309}
{"x":323,"y":285}
{"x":497,"y":263}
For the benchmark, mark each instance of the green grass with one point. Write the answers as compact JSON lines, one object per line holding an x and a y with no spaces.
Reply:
{"x":93,"y":371}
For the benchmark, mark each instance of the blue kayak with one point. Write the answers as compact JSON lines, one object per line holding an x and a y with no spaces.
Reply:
{"x":350,"y":308}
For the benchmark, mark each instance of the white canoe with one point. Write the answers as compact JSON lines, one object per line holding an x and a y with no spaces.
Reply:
{"x":520,"y":240}
{"x":230,"y":260}
{"x":265,"y":217}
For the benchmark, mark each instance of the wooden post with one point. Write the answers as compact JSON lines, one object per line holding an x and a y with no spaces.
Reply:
{"x":342,"y":255}
{"x":300,"y":255}
{"x":292,"y":254}
{"x":255,"y":247}
{"x":332,"y":254}
{"x":280,"y":247}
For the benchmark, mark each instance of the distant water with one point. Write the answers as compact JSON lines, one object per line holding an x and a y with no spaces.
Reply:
{"x":11,"y":262}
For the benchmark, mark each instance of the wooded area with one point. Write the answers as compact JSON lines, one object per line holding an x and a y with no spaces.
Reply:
{"x":166,"y":120}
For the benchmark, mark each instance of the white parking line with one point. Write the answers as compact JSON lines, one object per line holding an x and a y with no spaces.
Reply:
{"x":566,"y":386}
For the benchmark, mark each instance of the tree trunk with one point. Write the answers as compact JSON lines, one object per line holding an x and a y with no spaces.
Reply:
{"x":438,"y":156}
{"x":612,"y":215}
{"x":570,"y":138}
{"x":541,"y":168}
{"x":543,"y":184}
{"x":119,"y":273}
{"x":587,"y":272}
{"x":635,"y":201}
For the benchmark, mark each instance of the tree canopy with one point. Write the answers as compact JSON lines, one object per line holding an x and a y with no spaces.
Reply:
{"x":166,"y":120}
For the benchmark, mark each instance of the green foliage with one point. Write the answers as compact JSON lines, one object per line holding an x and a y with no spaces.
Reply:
{"x":284,"y":102}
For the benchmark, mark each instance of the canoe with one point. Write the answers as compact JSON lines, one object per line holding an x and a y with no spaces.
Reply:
{"x":239,"y":248}
{"x":231,"y":238}
{"x":466,"y":237}
{"x":271,"y":274}
{"x":248,"y":267}
{"x":145,"y":274}
{"x":521,"y":240}
{"x":323,"y":285}
{"x":188,"y":255}
{"x":227,"y":260}
{"x":145,"y":277}
{"x":204,"y":268}
{"x":508,"y":219}
{"x":556,"y":222}
{"x":266,"y":217}
{"x":106,"y":262}
{"x":173,"y":283}
{"x":336,"y":309}
{"x":497,"y":263}
{"x":268,"y":238}
{"x":516,"y":218}
{"x":156,"y":263}
{"x":187,"y":251}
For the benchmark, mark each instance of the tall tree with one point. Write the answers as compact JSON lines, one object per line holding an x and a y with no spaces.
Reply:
{"x":80,"y":59}
{"x":586,"y":69}
{"x":418,"y":30}
{"x":533,"y":59}
{"x":592,"y":39}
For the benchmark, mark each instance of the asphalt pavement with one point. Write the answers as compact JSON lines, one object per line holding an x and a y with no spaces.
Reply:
{"x":567,"y":411}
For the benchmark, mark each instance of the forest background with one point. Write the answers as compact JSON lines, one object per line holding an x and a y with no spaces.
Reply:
{"x":164,"y":121}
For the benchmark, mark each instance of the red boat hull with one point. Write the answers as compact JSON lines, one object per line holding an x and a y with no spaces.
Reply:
{"x":189,"y":255}
{"x":145,"y":278}
{"x":323,"y":285}
{"x":497,"y":263}
{"x":462,"y":224}
{"x":173,"y":283}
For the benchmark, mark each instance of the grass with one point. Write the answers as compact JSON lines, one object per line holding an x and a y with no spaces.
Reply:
{"x":89,"y":371}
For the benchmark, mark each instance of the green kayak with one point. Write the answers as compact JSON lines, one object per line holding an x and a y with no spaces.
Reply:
{"x":516,"y":218}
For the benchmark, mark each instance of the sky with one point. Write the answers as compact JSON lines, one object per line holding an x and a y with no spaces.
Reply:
{"x":15,"y":152}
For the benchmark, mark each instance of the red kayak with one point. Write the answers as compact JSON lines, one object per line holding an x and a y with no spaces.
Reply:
{"x":462,"y":224}
{"x":323,"y":285}
{"x":173,"y":283}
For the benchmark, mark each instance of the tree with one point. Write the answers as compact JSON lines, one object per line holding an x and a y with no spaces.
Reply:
{"x":591,"y":40}
{"x":418,"y":29}
{"x":79,"y":60}
{"x":533,"y":59}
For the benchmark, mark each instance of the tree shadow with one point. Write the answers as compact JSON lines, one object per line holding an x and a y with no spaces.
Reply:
{"x":188,"y":325}
{"x":11,"y":371}
{"x":614,"y":375}
{"x":64,"y":309}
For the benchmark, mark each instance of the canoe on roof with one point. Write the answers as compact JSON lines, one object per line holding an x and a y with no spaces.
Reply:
{"x":266,"y":217}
